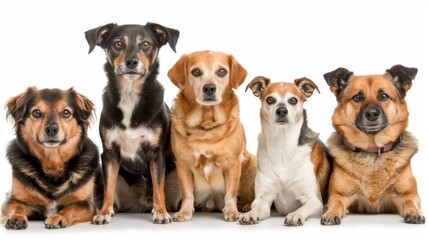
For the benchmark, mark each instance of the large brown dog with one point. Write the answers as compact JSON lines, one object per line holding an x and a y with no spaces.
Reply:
{"x":207,"y":136}
{"x":371,"y":148}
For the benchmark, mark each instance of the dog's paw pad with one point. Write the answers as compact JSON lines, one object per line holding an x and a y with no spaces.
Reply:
{"x":415,"y":219}
{"x":231,"y":216}
{"x":55,"y":221}
{"x":16,"y":222}
{"x":293,"y":220}
{"x":334,"y":220}
{"x":160,"y":218}
{"x":182,"y":217}
{"x":248,"y":219}
{"x":101,"y":219}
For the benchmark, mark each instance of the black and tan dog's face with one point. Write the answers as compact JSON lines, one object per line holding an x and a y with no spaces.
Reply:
{"x":207,"y":76}
{"x":371,"y":104}
{"x":282,"y":103}
{"x":131,"y":49}
{"x":50,"y":118}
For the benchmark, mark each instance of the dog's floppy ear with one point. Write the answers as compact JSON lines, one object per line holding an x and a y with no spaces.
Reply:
{"x":258,"y":85}
{"x":178,"y":73}
{"x":16,"y":107}
{"x":306,"y":86}
{"x":238,"y":73}
{"x":337,"y":80}
{"x":165,"y":34}
{"x":84,"y":108}
{"x":402,"y":77}
{"x":98,"y":36}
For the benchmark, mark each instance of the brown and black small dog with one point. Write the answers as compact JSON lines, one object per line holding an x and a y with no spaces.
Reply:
{"x":135,"y":120}
{"x":371,"y":148}
{"x":56,"y":172}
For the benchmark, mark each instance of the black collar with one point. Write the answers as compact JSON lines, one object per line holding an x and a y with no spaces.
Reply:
{"x":378,"y":150}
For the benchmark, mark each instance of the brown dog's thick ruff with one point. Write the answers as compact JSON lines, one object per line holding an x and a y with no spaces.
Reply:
{"x":208,"y":138}
{"x":372,"y":151}
{"x":56,"y":174}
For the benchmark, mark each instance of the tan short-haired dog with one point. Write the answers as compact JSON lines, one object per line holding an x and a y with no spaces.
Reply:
{"x":208,"y":138}
{"x":372,"y":151}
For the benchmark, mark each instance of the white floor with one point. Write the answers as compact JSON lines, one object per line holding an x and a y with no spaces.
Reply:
{"x":212,"y":226}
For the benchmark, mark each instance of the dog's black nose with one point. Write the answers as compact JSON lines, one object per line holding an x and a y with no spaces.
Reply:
{"x":51,"y":130}
{"x":131,"y":63}
{"x":209,"y":89}
{"x":281,"y":112}
{"x":372,"y":113}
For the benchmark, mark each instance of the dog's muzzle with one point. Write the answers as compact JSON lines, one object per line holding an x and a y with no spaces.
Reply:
{"x":281,"y":114}
{"x":371,"y":119}
{"x":209,"y":91}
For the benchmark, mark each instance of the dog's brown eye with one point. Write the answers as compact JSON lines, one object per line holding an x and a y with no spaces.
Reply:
{"x":222,"y":72}
{"x":145,"y":45}
{"x":36,"y":113}
{"x":357,"y":98}
{"x":293,"y":101}
{"x":65,"y":113}
{"x":383,"y":97}
{"x":270,"y":100}
{"x":118,"y":45}
{"x":196,"y":72}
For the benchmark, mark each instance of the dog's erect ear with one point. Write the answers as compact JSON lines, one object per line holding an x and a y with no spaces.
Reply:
{"x":16,"y":107}
{"x":238,"y":74}
{"x":165,"y":34}
{"x":258,"y":85}
{"x":402,"y":77}
{"x":178,"y":73}
{"x":306,"y":86}
{"x":85,"y":109}
{"x":337,"y":80}
{"x":98,"y":36}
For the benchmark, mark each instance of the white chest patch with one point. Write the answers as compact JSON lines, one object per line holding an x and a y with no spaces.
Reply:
{"x":51,"y":209}
{"x":129,"y":140}
{"x":207,"y":164}
{"x":129,"y":99}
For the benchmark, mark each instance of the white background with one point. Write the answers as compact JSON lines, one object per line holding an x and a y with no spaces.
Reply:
{"x":42,"y":44}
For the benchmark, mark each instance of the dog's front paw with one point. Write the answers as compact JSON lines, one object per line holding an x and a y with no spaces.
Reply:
{"x":182,"y":216}
{"x":103,"y":218}
{"x":414,"y":217}
{"x":248,"y":218}
{"x":160,"y":218}
{"x":56,"y":221}
{"x":294,"y":220}
{"x":16,"y":222}
{"x":330,"y":219}
{"x":231,"y":216}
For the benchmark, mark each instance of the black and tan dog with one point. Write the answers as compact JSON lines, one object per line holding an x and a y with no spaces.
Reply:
{"x":135,"y":121}
{"x":55,"y":166}
{"x":371,"y":148}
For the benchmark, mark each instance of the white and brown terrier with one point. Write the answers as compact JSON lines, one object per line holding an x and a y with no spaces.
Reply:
{"x":293,"y":165}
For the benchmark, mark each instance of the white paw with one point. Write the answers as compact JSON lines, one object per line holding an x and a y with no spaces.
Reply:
{"x":248,"y":218}
{"x":294,"y":220}
{"x":160,"y":218}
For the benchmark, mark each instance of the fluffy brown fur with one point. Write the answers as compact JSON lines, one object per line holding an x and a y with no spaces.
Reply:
{"x":56,"y":174}
{"x":372,"y":151}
